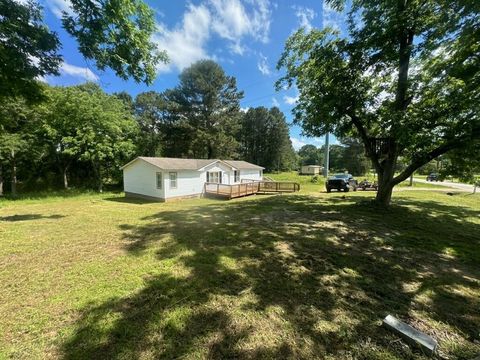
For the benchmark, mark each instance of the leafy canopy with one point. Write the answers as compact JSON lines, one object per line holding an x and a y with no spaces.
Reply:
{"x":406,"y":74}
{"x":28,"y":49}
{"x":116,"y":34}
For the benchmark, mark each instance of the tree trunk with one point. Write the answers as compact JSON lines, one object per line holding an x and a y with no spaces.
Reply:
{"x":384,"y":193}
{"x":411,"y":180}
{"x":385,"y":178}
{"x":1,"y":180}
{"x":97,"y":168}
{"x":14,"y":175}
{"x":65,"y":180}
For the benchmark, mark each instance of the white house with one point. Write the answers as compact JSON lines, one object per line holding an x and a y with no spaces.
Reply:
{"x":165,"y":179}
{"x":311,"y":170}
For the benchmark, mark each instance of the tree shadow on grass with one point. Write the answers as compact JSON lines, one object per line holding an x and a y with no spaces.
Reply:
{"x":28,"y":217}
{"x":133,"y":200}
{"x":289,"y":277}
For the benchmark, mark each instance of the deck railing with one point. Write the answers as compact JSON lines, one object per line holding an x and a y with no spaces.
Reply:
{"x":231,"y":191}
{"x":275,"y":186}
{"x":250,"y":187}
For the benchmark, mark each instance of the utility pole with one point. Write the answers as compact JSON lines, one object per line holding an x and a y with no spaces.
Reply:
{"x":326,"y":161}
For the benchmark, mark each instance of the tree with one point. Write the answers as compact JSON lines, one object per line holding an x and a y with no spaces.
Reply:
{"x":83,"y":123}
{"x":28,"y":50}
{"x":150,"y":110}
{"x":113,"y":33}
{"x":205,"y":107}
{"x":264,"y":139}
{"x":116,"y":34}
{"x":464,"y":164}
{"x":309,"y":155}
{"x":405,"y":81}
{"x":16,"y":139}
{"x":353,"y":157}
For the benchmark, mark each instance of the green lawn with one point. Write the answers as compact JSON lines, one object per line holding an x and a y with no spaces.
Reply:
{"x":308,"y":275}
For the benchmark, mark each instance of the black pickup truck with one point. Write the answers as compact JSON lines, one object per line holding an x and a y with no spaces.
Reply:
{"x":344,"y":182}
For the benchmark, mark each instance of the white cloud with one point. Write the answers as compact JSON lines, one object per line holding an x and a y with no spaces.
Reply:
{"x":297,"y":143}
{"x":305,"y":16}
{"x":263,"y":66}
{"x":78,"y":72}
{"x":290,"y":100}
{"x":331,"y":17}
{"x":231,"y":20}
{"x":186,"y":43}
{"x":58,"y":6}
{"x":275,"y":102}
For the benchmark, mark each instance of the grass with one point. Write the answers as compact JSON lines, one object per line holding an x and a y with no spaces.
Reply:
{"x":307,"y":186}
{"x":307,"y":275}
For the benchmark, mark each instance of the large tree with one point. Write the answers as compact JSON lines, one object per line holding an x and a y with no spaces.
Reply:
{"x":264,"y":139}
{"x":310,"y":155}
{"x":353,"y":157}
{"x":28,"y":50}
{"x":405,"y":80}
{"x":17,"y":139}
{"x":114,"y":34}
{"x":83,"y":123}
{"x":206,"y":109}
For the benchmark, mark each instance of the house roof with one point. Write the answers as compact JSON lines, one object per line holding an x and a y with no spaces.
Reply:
{"x":191,"y":164}
{"x":243,"y":165}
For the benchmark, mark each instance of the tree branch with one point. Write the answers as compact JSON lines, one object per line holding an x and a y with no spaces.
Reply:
{"x":440,"y":150}
{"x":366,"y":140}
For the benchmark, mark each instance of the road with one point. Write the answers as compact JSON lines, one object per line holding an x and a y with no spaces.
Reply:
{"x":459,"y":186}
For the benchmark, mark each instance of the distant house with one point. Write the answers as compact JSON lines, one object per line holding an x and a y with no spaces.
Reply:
{"x":165,"y":179}
{"x":311,"y":170}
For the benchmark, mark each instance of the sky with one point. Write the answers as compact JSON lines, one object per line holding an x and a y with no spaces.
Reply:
{"x":246,"y":37}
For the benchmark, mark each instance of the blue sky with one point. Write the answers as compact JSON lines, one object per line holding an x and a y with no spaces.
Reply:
{"x":245,"y":37}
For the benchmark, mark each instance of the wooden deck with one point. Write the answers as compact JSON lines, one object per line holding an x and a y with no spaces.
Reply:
{"x":249,"y":187}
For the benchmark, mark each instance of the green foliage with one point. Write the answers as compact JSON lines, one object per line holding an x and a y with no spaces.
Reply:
{"x":150,"y":110}
{"x":353,"y":157}
{"x":84,"y":123}
{"x":310,"y":155}
{"x":28,"y":50}
{"x":116,"y":34}
{"x":406,"y":76}
{"x":205,"y":110}
{"x":464,"y":164}
{"x":265,"y":140}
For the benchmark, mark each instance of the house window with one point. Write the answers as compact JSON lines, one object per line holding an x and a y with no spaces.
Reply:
{"x":159,"y":180}
{"x":236,"y":176}
{"x":214,"y":177}
{"x":173,"y":180}
{"x":260,"y":173}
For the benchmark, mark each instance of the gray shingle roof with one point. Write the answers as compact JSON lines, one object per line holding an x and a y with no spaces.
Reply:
{"x":243,"y":165}
{"x":177,"y":164}
{"x":192,"y":164}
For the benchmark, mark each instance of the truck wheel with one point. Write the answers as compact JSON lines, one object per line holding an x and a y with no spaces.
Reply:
{"x":346,"y":189}
{"x":329,"y":190}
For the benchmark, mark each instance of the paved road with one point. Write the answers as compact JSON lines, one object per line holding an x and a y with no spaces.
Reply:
{"x":459,"y":186}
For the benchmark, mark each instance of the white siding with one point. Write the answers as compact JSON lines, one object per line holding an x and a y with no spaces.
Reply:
{"x":251,"y":174}
{"x":227,"y":172}
{"x":140,"y":177}
{"x":311,"y":170}
{"x":189,"y":182}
